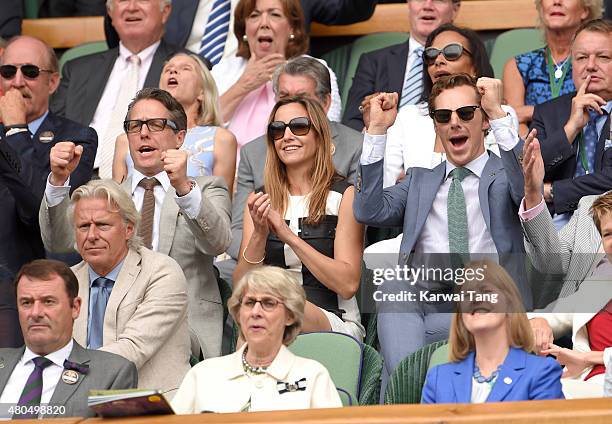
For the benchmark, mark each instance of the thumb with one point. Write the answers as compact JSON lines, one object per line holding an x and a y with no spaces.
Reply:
{"x":78,"y":151}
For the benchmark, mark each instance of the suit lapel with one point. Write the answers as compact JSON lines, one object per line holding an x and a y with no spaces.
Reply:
{"x":428,"y":190}
{"x":8,"y":360}
{"x":489,"y":174}
{"x":167,"y":222}
{"x":511,"y":372}
{"x":125,"y":280}
{"x":102,"y":65}
{"x":396,"y":73}
{"x":80,"y":324}
{"x":160,"y":56}
{"x":462,"y":379}
{"x":63,"y":391}
{"x":599,"y":149}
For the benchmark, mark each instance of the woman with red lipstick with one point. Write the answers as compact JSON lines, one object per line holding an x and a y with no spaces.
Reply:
{"x":302,"y":219}
{"x":491,"y":347}
{"x":268,"y":32}
{"x":211,"y":148}
{"x":263,"y":375}
{"x":543,"y":74}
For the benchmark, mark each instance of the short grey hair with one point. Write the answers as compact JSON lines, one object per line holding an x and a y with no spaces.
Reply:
{"x":162,"y":4}
{"x":117,"y":199}
{"x":309,"y":67}
{"x":277,"y":282}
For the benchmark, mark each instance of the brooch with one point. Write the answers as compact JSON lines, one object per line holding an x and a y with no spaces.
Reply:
{"x":283,"y":387}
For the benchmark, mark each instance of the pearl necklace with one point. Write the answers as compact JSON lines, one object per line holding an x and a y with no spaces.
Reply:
{"x":250,"y":368}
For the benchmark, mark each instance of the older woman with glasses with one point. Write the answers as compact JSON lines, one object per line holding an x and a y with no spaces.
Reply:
{"x":268,"y":306}
{"x":302,"y":219}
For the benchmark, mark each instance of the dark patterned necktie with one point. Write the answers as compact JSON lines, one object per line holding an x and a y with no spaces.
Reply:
{"x":30,"y":396}
{"x":147,"y":213}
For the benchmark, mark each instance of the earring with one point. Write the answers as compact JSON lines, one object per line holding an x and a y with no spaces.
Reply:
{"x":244,"y":38}
{"x":291,"y":37}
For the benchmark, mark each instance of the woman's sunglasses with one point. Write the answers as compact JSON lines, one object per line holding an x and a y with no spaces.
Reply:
{"x":452,"y":52}
{"x":298,"y":126}
{"x":28,"y":70}
{"x":443,"y":116}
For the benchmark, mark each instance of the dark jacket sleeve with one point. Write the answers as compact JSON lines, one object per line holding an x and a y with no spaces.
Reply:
{"x":338,"y":12}
{"x":363,"y":84}
{"x":87,"y":138}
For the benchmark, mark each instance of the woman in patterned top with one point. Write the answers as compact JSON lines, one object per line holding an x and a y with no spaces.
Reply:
{"x":302,"y":219}
{"x":543,"y":74}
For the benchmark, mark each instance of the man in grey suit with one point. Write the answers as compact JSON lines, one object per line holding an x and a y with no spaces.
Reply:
{"x":306,"y":76}
{"x":48,"y":303}
{"x":188,"y":219}
{"x":465,"y":206}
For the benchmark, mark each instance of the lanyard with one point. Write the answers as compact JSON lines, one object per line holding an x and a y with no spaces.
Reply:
{"x":556,"y":84}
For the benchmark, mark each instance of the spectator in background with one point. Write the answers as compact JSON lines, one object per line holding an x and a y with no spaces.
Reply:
{"x":491,"y":349}
{"x":269,"y":32}
{"x":28,"y":76}
{"x":546,"y":73}
{"x":268,"y":307}
{"x":96,"y":89}
{"x":608,"y":15}
{"x":305,"y":221}
{"x":59,"y":8}
{"x":11,"y":14}
{"x":397,"y":68}
{"x":212,"y":148}
{"x":48,"y":297}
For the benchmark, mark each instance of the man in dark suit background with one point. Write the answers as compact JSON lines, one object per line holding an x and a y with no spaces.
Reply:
{"x":48,"y":302}
{"x":96,"y":89}
{"x":28,"y":76}
{"x":388,"y":69}
{"x":57,"y":8}
{"x":574,"y":129}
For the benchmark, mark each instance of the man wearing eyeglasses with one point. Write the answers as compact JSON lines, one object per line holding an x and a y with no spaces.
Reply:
{"x":28,"y":76}
{"x":187,"y":219}
{"x":462,"y":209}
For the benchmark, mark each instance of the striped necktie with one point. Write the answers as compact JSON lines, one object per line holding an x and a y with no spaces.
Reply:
{"x":458,"y":238}
{"x":147,"y":213}
{"x":32,"y":391}
{"x":216,"y":31}
{"x":413,"y":85}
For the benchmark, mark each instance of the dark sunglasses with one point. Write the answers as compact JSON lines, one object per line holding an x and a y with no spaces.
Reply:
{"x":154,"y":125}
{"x":443,"y":116}
{"x":28,"y":70}
{"x":452,"y":52}
{"x":298,"y":126}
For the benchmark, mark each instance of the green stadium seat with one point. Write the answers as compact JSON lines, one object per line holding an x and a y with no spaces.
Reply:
{"x":510,"y":43}
{"x":82,"y":50}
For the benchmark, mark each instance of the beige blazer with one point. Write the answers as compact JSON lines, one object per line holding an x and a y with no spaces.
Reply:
{"x":145,"y":319}
{"x":193,"y":243}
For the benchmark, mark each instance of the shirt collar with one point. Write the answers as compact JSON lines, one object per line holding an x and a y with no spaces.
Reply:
{"x":58,"y":357}
{"x":111,"y":275}
{"x":35,"y":124}
{"x":278,"y":369}
{"x":162,"y":177}
{"x":608,"y":107}
{"x":476,"y":166}
{"x":413,"y":44}
{"x":144,"y":55}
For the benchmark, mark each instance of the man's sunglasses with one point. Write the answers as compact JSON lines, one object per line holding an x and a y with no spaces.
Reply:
{"x":443,"y":116}
{"x":154,"y":125}
{"x":28,"y":70}
{"x":298,"y":126}
{"x":452,"y":52}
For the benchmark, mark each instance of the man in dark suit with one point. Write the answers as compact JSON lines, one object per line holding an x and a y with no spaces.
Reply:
{"x":574,"y":129}
{"x":466,"y":206}
{"x":28,"y":76}
{"x":52,"y":370}
{"x":11,"y":14}
{"x":96,"y":89}
{"x":58,"y":8}
{"x":299,"y":76}
{"x":388,"y":69}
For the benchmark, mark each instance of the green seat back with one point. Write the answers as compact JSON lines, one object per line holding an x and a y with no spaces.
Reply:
{"x":406,"y":382}
{"x":439,"y":356}
{"x":366,"y":44}
{"x":512,"y":43}
{"x":371,"y":370}
{"x":30,"y":9}
{"x":82,"y":50}
{"x":338,"y":60}
{"x":340,"y":354}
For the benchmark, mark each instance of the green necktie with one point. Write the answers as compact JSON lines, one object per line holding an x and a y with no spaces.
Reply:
{"x":457,"y":216}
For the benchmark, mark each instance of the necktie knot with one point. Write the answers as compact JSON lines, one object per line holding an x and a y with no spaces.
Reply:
{"x":134,"y":60}
{"x":148,"y":183}
{"x":418,"y":53}
{"x":41,"y":362}
{"x":460,"y":173}
{"x":103,"y":283}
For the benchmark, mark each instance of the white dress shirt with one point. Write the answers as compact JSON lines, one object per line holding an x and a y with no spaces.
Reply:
{"x":25,"y":366}
{"x":107,"y":102}
{"x":199,"y":24}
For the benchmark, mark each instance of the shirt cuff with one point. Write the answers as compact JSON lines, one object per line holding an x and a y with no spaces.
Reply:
{"x":528,"y":215}
{"x":190,"y":203}
{"x":373,"y":148}
{"x":55,"y":194}
{"x":505,"y":134}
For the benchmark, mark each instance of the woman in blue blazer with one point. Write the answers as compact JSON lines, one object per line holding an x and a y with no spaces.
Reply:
{"x":490,"y":347}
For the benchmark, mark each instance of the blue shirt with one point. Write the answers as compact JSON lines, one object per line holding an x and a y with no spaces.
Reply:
{"x":35,"y":124}
{"x":92,"y":277}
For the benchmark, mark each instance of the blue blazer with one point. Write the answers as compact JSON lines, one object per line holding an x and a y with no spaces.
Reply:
{"x":523,"y":376}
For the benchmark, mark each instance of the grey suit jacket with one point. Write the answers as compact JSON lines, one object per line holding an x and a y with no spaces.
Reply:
{"x":253,"y":160}
{"x":107,"y":371}
{"x":193,"y":243}
{"x":409,"y":202}
{"x":570,"y":253}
